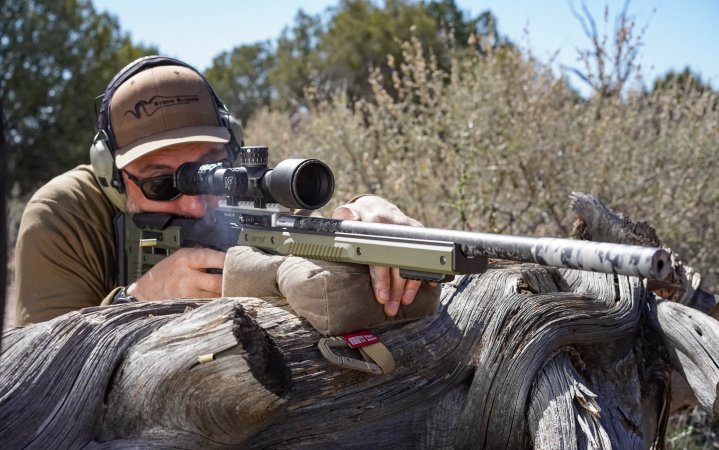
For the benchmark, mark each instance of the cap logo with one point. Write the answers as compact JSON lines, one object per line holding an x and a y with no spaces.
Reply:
{"x":157,"y":102}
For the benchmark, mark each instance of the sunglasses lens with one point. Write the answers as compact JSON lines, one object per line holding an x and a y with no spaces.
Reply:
{"x":160,"y":189}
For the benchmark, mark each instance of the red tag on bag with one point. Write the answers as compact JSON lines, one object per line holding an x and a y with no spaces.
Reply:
{"x":360,"y":338}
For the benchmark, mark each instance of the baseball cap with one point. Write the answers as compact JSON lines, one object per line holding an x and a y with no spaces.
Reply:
{"x":163,"y":106}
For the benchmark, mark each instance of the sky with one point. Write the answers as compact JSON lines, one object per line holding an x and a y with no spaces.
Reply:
{"x":678,"y":33}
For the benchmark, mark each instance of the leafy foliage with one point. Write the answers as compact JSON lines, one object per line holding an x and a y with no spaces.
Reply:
{"x":362,"y":36}
{"x":339,"y":52}
{"x":56,"y":57}
{"x":683,"y":81}
{"x":241,"y":78}
{"x":297,"y":61}
{"x":692,"y":430}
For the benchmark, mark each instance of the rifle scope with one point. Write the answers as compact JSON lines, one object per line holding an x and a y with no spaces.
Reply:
{"x":293,"y":183}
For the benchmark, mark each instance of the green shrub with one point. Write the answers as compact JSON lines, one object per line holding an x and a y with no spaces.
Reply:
{"x":499,"y":143}
{"x":692,"y":430}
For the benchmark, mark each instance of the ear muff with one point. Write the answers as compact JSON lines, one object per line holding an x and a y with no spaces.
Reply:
{"x":237,"y":138}
{"x":106,"y":173}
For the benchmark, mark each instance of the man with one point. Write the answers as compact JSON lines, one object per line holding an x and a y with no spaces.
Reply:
{"x":157,"y":113}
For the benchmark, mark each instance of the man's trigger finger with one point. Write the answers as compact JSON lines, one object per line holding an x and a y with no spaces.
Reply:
{"x":205,"y":258}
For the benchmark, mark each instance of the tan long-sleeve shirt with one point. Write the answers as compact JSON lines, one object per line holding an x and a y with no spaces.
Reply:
{"x":65,"y":253}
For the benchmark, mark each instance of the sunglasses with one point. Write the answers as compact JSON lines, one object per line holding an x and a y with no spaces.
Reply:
{"x":159,"y":189}
{"x":162,"y":187}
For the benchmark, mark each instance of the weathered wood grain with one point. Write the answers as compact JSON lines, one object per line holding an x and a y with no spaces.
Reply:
{"x":692,"y":339}
{"x":563,"y":411}
{"x":233,"y":384}
{"x":465,"y":377}
{"x":54,"y":375}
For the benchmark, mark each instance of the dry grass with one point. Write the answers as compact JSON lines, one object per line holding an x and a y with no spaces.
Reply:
{"x":692,"y":430}
{"x":500,"y":143}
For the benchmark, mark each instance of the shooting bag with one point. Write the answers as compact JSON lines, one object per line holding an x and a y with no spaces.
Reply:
{"x":335,"y":298}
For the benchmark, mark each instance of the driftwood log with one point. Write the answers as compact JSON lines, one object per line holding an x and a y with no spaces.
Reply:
{"x":516,"y":357}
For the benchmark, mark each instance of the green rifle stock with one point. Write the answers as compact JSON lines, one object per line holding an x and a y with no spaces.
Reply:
{"x":420,"y":253}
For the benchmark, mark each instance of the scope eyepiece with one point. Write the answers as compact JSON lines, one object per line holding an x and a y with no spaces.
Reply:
{"x":294,"y":183}
{"x":210,"y":179}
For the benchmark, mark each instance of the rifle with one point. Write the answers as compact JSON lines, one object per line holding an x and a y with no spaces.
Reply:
{"x":257,"y":212}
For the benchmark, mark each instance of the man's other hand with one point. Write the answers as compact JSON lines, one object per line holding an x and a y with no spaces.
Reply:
{"x":389,"y":288}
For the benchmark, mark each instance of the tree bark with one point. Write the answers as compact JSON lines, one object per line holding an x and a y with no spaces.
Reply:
{"x":691,"y":339}
{"x":516,"y":357}
{"x":564,"y":412}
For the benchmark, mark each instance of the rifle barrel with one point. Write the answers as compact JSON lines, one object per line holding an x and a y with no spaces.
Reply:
{"x":632,"y":260}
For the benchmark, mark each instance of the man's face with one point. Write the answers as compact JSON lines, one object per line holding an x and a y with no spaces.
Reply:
{"x":166,"y":161}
